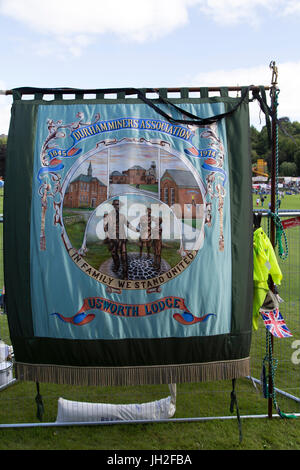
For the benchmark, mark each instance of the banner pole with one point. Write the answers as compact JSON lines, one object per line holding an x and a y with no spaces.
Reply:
{"x":68,"y":91}
{"x":273,"y":89}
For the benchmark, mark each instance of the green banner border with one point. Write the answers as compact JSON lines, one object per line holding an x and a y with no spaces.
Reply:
{"x":17,"y":204}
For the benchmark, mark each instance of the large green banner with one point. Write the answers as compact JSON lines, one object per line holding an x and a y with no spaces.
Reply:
{"x":128,"y":238}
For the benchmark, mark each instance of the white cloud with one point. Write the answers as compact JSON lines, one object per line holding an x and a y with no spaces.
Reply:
{"x":252,"y":12}
{"x":134,"y":19}
{"x":229,"y":12}
{"x":67,"y":46}
{"x":137,"y":20}
{"x":289,"y":95}
{"x":63,"y":21}
{"x":291,"y":7}
{"x":74,"y":24}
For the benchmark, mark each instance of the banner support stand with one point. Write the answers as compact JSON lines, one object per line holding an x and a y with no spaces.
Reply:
{"x":273,"y":89}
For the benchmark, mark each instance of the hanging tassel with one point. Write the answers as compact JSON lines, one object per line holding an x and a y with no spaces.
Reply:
{"x":39,"y":402}
{"x":284,"y":415}
{"x":263,"y":380}
{"x":264,"y":383}
{"x":233,"y":402}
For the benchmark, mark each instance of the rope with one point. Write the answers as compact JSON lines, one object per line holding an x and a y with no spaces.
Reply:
{"x":39,"y":402}
{"x":234,"y":403}
{"x":283,"y":249}
{"x":273,"y":363}
{"x":283,"y":253}
{"x":280,"y":233}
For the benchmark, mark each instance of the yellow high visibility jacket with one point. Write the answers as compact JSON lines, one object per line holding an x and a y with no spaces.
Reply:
{"x":264,"y":264}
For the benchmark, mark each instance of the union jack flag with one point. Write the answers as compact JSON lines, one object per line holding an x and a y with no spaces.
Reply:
{"x":275,"y":323}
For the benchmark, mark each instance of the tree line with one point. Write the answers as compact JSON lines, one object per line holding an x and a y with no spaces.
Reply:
{"x":288,"y":147}
{"x":3,"y":141}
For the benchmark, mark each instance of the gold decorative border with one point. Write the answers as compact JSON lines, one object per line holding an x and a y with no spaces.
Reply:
{"x":127,"y":376}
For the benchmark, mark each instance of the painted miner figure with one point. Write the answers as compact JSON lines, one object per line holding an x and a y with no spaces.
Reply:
{"x":145,"y":232}
{"x":116,"y":236}
{"x":150,"y":236}
{"x":157,"y":242}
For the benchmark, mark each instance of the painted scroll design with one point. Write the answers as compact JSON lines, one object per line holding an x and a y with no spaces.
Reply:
{"x":213,"y":163}
{"x":48,"y":175}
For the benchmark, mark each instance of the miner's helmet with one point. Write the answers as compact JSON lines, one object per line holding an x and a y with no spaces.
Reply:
{"x":116,"y":202}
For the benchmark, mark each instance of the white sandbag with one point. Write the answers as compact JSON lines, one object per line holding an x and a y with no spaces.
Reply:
{"x":6,"y":373}
{"x":74,"y":411}
{"x":4,"y":351}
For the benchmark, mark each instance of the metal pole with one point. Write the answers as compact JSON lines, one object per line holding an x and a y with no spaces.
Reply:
{"x":68,"y":91}
{"x":273,"y":208}
{"x":281,"y":392}
{"x":139,"y":421}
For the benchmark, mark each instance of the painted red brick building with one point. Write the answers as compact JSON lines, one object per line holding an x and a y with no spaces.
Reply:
{"x":85,"y":191}
{"x":117,"y":178}
{"x":135,"y":175}
{"x":179,"y":187}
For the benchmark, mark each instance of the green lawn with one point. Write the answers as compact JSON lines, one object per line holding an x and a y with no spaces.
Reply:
{"x":288,"y":202}
{"x":147,"y":187}
{"x":287,"y":376}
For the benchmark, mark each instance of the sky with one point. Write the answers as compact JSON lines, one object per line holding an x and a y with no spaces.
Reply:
{"x":151,"y":43}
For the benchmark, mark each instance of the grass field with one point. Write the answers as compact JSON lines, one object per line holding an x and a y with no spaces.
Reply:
{"x":287,"y":202}
{"x":193,"y":400}
{"x":147,"y":187}
{"x":289,"y":290}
